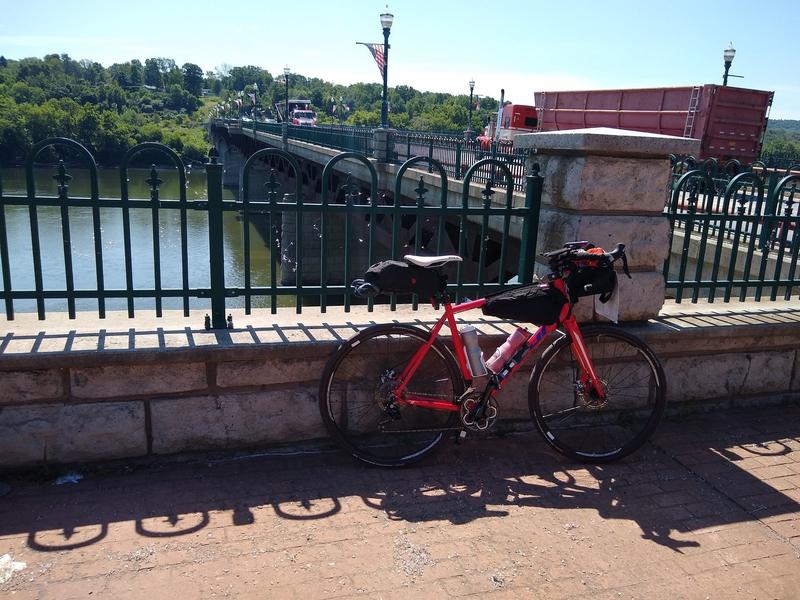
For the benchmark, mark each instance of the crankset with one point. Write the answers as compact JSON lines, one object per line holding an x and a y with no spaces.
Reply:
{"x":477,"y":416}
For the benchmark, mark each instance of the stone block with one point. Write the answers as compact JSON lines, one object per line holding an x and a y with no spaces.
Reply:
{"x":795,"y":383}
{"x":640,"y":298}
{"x":61,"y":433}
{"x":137,"y":380}
{"x":608,"y":141}
{"x":269,"y":371}
{"x":17,"y":387}
{"x":602,"y":183}
{"x":235,"y":420}
{"x":726,"y":376}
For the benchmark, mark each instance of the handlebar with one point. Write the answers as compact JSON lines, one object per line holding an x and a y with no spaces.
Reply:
{"x":578,"y":251}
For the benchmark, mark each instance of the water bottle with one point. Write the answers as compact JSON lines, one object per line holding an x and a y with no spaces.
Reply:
{"x":469,"y":335}
{"x":507,"y":349}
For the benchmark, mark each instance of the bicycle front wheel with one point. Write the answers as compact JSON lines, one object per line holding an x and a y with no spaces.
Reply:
{"x":571,"y":416}
{"x":361,"y":409}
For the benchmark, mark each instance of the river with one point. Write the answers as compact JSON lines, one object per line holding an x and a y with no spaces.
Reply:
{"x":81,"y":227}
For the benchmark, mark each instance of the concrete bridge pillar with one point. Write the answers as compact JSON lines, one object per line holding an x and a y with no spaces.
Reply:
{"x":232,"y":161}
{"x":608,"y":186}
{"x":383,"y":144}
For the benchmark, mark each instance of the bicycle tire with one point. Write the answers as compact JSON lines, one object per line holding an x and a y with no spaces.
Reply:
{"x":587,"y":429}
{"x":356,"y":390}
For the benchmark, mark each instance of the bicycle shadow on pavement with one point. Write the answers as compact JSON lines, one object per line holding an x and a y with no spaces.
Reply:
{"x":696,"y":475}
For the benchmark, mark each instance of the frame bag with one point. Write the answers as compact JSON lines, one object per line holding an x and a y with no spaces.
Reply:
{"x":539,"y":304}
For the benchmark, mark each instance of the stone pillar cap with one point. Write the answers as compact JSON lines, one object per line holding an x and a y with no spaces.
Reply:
{"x":607,"y":141}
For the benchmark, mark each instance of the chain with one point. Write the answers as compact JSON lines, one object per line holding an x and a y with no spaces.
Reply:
{"x":459,"y":428}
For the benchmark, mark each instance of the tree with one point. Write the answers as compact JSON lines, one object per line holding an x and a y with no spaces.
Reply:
{"x":136,"y":76}
{"x":192,"y":79}
{"x":152,"y":74}
{"x":121,"y":74}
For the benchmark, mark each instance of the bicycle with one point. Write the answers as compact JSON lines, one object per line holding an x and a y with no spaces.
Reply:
{"x":390,"y":394}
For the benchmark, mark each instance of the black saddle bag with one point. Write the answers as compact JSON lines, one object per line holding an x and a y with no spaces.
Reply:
{"x":402,"y":278}
{"x":539,"y":304}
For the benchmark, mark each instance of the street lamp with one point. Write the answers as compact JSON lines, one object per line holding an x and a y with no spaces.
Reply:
{"x":728,"y":55}
{"x":255,"y":97}
{"x":386,"y":23}
{"x":286,"y":81}
{"x":469,"y":123}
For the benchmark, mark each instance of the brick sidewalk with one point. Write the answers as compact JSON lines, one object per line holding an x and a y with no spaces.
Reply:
{"x":709,"y":510}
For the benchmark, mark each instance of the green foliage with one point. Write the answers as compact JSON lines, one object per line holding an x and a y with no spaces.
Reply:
{"x":782,"y":139}
{"x":107,"y":110}
{"x":192,"y":78}
{"x":111,"y":109}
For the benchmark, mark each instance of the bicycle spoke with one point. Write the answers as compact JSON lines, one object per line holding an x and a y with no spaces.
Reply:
{"x":583,"y":426}
{"x":362,"y":404}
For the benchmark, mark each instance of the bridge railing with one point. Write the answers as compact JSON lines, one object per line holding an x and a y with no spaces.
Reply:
{"x":85,"y":251}
{"x":339,"y":137}
{"x":733,"y":237}
{"x":455,"y":152}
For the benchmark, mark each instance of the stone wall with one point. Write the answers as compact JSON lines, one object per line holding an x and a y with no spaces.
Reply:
{"x":90,"y":406}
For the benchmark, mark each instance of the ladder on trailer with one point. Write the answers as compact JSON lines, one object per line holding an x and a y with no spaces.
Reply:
{"x":693,"y":101}
{"x":540,"y":113}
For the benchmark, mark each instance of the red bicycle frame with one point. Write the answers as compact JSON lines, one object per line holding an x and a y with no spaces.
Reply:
{"x":566,"y":318}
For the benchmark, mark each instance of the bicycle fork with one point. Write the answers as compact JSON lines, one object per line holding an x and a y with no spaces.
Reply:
{"x":589,"y":380}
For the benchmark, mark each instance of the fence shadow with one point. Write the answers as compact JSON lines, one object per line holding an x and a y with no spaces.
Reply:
{"x":705,"y":472}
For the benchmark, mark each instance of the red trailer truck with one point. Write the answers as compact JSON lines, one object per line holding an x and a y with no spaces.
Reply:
{"x":729,"y":122}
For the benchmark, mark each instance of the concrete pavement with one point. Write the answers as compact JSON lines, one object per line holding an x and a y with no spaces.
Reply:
{"x":708,"y":510}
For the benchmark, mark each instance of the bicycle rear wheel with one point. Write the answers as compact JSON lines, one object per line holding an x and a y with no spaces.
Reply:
{"x":571,"y":417}
{"x":357,"y":399}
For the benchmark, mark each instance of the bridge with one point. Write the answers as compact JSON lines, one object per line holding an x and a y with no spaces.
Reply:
{"x":454,"y":152}
{"x":741,"y":223}
{"x":350,"y":165}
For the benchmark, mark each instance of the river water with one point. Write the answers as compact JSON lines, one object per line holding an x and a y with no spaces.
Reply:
{"x":81,"y":228}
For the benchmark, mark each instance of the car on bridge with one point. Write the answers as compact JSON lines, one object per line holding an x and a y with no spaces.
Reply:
{"x":304,"y":117}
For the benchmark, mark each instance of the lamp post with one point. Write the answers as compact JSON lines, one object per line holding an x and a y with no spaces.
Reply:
{"x":386,"y":23}
{"x":286,"y":97}
{"x":468,"y":132}
{"x":255,"y":97}
{"x":728,"y":55}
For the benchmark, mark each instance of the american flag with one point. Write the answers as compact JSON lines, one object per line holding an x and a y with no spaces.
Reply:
{"x":377,"y":54}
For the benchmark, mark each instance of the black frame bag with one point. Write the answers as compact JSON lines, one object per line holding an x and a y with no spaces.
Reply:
{"x":403,"y":278}
{"x":536,"y":303}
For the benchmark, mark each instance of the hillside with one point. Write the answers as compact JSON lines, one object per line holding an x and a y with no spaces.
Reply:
{"x":782,"y":138}
{"x":111,"y":109}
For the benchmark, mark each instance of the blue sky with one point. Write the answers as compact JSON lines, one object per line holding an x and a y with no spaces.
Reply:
{"x":522,"y":46}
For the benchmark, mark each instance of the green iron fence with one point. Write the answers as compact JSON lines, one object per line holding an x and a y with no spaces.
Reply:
{"x":733,"y":237}
{"x":318,"y":245}
{"x":456,"y":155}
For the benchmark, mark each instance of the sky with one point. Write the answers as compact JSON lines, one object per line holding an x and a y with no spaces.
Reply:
{"x":437,"y":45}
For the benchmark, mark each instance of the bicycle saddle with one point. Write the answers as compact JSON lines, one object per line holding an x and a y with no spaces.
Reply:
{"x":431,"y":262}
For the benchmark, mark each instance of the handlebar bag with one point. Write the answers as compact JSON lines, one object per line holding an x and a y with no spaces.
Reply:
{"x":400,"y":277}
{"x":539,"y":304}
{"x":591,"y":280}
